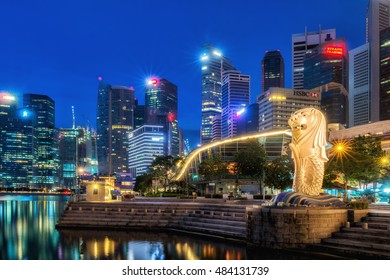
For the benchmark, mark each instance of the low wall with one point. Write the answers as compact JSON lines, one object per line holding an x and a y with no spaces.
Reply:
{"x":293,"y":228}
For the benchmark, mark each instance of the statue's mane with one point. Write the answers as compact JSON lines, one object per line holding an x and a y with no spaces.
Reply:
{"x":314,"y":135}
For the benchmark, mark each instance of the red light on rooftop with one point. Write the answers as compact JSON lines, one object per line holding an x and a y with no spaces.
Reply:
{"x":334,"y":50}
{"x":154,"y":82}
{"x":100,"y":78}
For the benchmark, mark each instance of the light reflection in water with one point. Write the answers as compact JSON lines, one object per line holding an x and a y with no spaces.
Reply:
{"x":27,"y":231}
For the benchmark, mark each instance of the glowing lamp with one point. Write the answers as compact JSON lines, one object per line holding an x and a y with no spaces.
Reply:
{"x":239,"y":113}
{"x":100,"y":78}
{"x":334,"y":50}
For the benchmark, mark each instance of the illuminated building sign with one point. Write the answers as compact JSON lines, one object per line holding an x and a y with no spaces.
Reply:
{"x":306,"y":93}
{"x":334,"y":50}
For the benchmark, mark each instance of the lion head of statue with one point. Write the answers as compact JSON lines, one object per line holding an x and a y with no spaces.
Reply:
{"x":308,"y":127}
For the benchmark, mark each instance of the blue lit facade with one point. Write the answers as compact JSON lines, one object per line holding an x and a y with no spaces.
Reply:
{"x":235,"y":98}
{"x":77,"y":155}
{"x":145,"y":144}
{"x":161,"y":105}
{"x":46,"y":139}
{"x":115,"y":119}
{"x":213,"y":65}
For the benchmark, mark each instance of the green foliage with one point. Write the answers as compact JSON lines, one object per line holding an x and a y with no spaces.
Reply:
{"x":279,"y":172}
{"x":359,"y":205}
{"x":212,"y":167}
{"x":143,"y":183}
{"x":250,"y":161}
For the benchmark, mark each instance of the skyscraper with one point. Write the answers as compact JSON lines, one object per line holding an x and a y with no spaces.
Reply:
{"x":17,"y":140}
{"x":161,"y":109}
{"x":277,"y":104}
{"x":272,"y":68}
{"x":235,"y":97}
{"x":359,"y":97}
{"x":214,"y":63}
{"x":46,"y":151}
{"x":326,"y":70}
{"x":114,"y":122}
{"x":377,"y":19}
{"x":384,"y":107}
{"x":145,"y":144}
{"x":301,"y":43}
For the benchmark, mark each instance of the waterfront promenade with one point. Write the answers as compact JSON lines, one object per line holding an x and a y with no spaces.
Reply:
{"x":323,"y":230}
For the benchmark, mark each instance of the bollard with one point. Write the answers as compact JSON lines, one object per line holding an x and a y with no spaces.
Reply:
{"x":347,"y":224}
{"x":365,"y":226}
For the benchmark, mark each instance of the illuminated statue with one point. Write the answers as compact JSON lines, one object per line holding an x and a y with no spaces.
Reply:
{"x":308,"y":150}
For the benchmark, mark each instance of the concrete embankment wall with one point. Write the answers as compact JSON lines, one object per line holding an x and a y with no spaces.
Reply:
{"x":265,"y":226}
{"x":293,"y":228}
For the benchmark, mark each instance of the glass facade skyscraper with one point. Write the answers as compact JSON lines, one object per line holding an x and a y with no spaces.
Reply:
{"x":301,"y":43}
{"x":161,"y":103}
{"x":115,"y":115}
{"x":214,"y":63}
{"x":384,"y":106}
{"x":46,"y":139}
{"x":272,"y":68}
{"x":235,"y":99}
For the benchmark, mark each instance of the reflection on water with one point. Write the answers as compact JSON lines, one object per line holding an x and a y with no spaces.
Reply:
{"x":27,"y":231}
{"x":145,"y":246}
{"x":27,"y":226}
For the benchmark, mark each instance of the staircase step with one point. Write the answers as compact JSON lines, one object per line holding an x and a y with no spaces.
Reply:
{"x":350,"y":251}
{"x":362,"y":236}
{"x":357,"y":244}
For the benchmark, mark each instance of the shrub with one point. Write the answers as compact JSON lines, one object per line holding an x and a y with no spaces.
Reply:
{"x":359,"y":204}
{"x":210,"y":195}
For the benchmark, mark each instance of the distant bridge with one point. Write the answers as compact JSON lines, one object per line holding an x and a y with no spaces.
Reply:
{"x":275,"y":143}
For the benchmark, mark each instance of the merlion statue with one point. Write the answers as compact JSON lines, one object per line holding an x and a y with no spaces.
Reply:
{"x":308,"y":150}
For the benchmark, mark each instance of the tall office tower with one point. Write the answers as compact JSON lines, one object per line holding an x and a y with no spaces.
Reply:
{"x":384,"y":107}
{"x":213,"y":65}
{"x":77,"y":155}
{"x":326,"y":63}
{"x":139,"y":114}
{"x":326,"y":70}
{"x":334,"y":103}
{"x":16,"y":144}
{"x":114,"y":122}
{"x":359,"y":98}
{"x":272,"y":68}
{"x":217,"y":128}
{"x":277,"y":104}
{"x":248,"y":120}
{"x":303,"y":42}
{"x":68,"y":157}
{"x":235,"y":98}
{"x":46,"y":157}
{"x":161,"y":109}
{"x":145,"y":144}
{"x":377,"y":19}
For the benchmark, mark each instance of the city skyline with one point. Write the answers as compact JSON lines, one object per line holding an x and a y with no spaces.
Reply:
{"x":61,"y":54}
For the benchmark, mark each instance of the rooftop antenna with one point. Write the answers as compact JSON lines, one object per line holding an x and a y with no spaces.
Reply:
{"x":73,"y":118}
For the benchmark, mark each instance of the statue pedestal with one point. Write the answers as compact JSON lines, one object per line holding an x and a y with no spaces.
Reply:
{"x":298,"y":199}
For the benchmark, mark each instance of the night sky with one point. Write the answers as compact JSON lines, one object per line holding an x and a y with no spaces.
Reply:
{"x":59,"y":48}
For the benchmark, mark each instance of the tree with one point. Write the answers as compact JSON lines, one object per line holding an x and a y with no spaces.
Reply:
{"x":143,"y":182}
{"x":251,"y":161}
{"x":278,"y":173}
{"x":357,"y":159}
{"x":161,"y":168}
{"x":213,"y":167}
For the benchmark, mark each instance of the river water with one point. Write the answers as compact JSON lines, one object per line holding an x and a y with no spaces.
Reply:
{"x":27,"y":232}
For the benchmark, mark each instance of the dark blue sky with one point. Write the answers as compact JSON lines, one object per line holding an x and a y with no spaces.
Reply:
{"x":59,"y":48}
